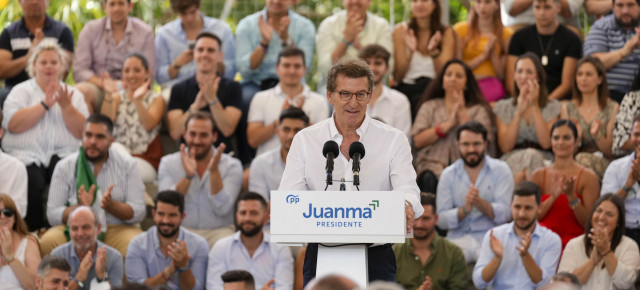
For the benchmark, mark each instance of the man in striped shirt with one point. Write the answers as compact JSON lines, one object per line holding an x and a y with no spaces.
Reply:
{"x":614,"y":39}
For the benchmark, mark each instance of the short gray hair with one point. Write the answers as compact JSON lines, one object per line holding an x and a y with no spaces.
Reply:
{"x":48,"y":44}
{"x":82,"y":208}
{"x":49,"y":262}
{"x":353,"y":68}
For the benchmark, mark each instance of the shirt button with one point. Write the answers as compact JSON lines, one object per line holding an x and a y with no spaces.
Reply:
{"x":416,"y":257}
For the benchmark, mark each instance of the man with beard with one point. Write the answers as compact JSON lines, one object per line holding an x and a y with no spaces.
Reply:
{"x":622,"y":177}
{"x":209,"y":179}
{"x":520,"y":254}
{"x":251,"y":249}
{"x":89,"y":258}
{"x":428,"y":260}
{"x":387,"y":105}
{"x":614,"y":39}
{"x":474,"y":192}
{"x":267,"y":169}
{"x":101,"y":178}
{"x":168,"y":254}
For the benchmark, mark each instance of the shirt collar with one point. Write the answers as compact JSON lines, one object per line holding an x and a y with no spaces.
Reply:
{"x":266,"y":16}
{"x":127,"y":29}
{"x":265,"y":238}
{"x":537,"y":231}
{"x":47,"y":22}
{"x":334,"y":133}
{"x":280,"y":93}
{"x":74,"y":253}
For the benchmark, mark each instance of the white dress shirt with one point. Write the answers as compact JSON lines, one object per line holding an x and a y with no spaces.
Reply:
{"x":13,"y":181}
{"x":266,"y":172}
{"x":393,"y":109}
{"x":385,"y":167}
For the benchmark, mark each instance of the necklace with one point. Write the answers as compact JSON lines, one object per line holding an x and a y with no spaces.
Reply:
{"x":544,"y":59}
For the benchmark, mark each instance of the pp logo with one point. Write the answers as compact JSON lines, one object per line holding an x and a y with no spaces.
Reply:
{"x":293,"y":198}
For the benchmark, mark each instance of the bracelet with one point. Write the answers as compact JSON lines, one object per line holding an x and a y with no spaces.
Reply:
{"x":347,"y":43}
{"x":182,"y":270}
{"x":11,"y":260}
{"x":214,"y":102}
{"x":464,"y":210}
{"x":187,"y":177}
{"x":44,"y":105}
{"x":626,"y":189}
{"x":439,"y":132}
{"x":574,"y":203}
{"x":264,"y":46}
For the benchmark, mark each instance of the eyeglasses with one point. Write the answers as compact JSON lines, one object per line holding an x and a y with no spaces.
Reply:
{"x":7,"y":212}
{"x":360,"y":96}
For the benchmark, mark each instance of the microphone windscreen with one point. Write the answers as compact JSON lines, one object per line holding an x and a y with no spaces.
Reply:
{"x":356,"y":147}
{"x":330,"y":146}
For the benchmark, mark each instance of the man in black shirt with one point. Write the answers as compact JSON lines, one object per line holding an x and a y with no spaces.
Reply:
{"x":558,"y":48}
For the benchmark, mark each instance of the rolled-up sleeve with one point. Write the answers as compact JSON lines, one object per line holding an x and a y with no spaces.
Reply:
{"x":135,"y":193}
{"x":402,"y":174}
{"x":624,"y":277}
{"x":166,"y":180}
{"x":447,"y":212}
{"x":244,"y":47}
{"x":502,"y":197}
{"x":60,"y":189}
{"x":551,"y":251}
{"x":325,"y":44}
{"x":222,"y":202}
{"x":484,"y":258}
{"x":163,"y":58}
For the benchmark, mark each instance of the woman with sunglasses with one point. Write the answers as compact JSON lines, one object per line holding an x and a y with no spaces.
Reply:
{"x":20,"y":254}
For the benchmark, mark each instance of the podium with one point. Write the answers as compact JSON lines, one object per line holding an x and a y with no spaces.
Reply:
{"x":344,"y":223}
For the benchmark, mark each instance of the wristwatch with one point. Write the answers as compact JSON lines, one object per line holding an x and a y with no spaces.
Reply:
{"x":106,"y":278}
{"x":77,"y":282}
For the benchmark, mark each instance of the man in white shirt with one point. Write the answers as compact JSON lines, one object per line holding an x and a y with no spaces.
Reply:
{"x":349,"y":86}
{"x":267,"y":168}
{"x":13,"y":180}
{"x":386,"y":105}
{"x":250,"y":249}
{"x":289,"y":92}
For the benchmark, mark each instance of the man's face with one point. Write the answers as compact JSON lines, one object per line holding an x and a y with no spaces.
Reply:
{"x":199,"y":137}
{"x":278,"y":7}
{"x":96,"y":141}
{"x":190,"y":17}
{"x":524,"y":211}
{"x":379,"y":67}
{"x":207,"y":54}
{"x":350,"y":113}
{"x":287,"y":129}
{"x":117,"y":10}
{"x":626,"y":12}
{"x":471,"y":147}
{"x":250,"y":217}
{"x":34,"y":8}
{"x":424,"y":226}
{"x":55,"y":280}
{"x":545,"y":12}
{"x":168,"y":219}
{"x":356,"y":6}
{"x":83,"y":230}
{"x":635,"y":137}
{"x":291,"y":70}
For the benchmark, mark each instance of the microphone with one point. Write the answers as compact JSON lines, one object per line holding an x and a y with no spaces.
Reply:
{"x":356,"y":152}
{"x":330,"y":151}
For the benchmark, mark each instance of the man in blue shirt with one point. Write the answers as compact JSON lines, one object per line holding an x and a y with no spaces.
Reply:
{"x":167,"y":254}
{"x":474,"y":192}
{"x":520,"y":254}
{"x":622,"y":178}
{"x":91,"y":260}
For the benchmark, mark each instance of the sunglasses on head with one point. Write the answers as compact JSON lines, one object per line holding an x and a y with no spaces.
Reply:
{"x":7,"y":212}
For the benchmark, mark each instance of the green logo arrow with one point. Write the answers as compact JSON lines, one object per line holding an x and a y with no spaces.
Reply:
{"x":375,"y":203}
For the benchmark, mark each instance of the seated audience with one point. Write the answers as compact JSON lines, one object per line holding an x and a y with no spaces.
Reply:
{"x":92,"y":262}
{"x":622,"y":177}
{"x":524,"y":120}
{"x":421,"y":47}
{"x":53,"y":273}
{"x":19,"y":40}
{"x":43,"y":118}
{"x":99,"y":177}
{"x":237,"y":280}
{"x":136,"y":113}
{"x":594,"y":113}
{"x":568,"y":188}
{"x":19,"y":254}
{"x":557,"y":47}
{"x":629,"y":107}
{"x":483,"y":43}
{"x":453,"y":98}
{"x":427,"y":259}
{"x":167,"y":254}
{"x":13,"y":180}
{"x":604,"y":258}
{"x":614,"y":40}
{"x":474,"y":192}
{"x":206,"y":91}
{"x":290,"y":91}
{"x":345,"y":33}
{"x":251,"y":249}
{"x":385,"y":104}
{"x":209,"y":179}
{"x":520,"y":254}
{"x":266,"y":169}
{"x":103,"y":45}
{"x":175,"y":40}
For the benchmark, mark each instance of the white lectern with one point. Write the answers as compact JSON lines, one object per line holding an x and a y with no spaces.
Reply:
{"x":342,"y":221}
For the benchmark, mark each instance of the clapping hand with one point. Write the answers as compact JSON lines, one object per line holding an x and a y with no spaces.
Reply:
{"x":188,"y":160}
{"x":434,"y":41}
{"x":139,"y":93}
{"x":215,"y":159}
{"x":64,"y":96}
{"x":525,"y":242}
{"x":355,"y":25}
{"x":106,"y":201}
{"x":86,"y":198}
{"x":595,"y":127}
{"x":268,"y":285}
{"x":50,"y":97}
{"x":496,"y":245}
{"x":426,"y":285}
{"x":179,"y":254}
{"x":101,"y":263}
{"x":409,"y":38}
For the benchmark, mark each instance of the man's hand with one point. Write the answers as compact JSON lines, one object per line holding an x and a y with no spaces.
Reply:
{"x":496,"y":245}
{"x":38,"y":37}
{"x":101,"y":263}
{"x":266,"y":31}
{"x":85,"y":267}
{"x":199,"y":103}
{"x":355,"y":25}
{"x":410,"y":215}
{"x":184,"y":58}
{"x":631,"y":44}
{"x":84,"y":197}
{"x":210,"y":87}
{"x":267,"y":286}
{"x":282,"y":28}
{"x":471,"y":198}
{"x":188,"y":160}
{"x":179,"y":254}
{"x":106,"y":198}
{"x":215,"y":159}
{"x":426,"y":285}
{"x":525,"y":242}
